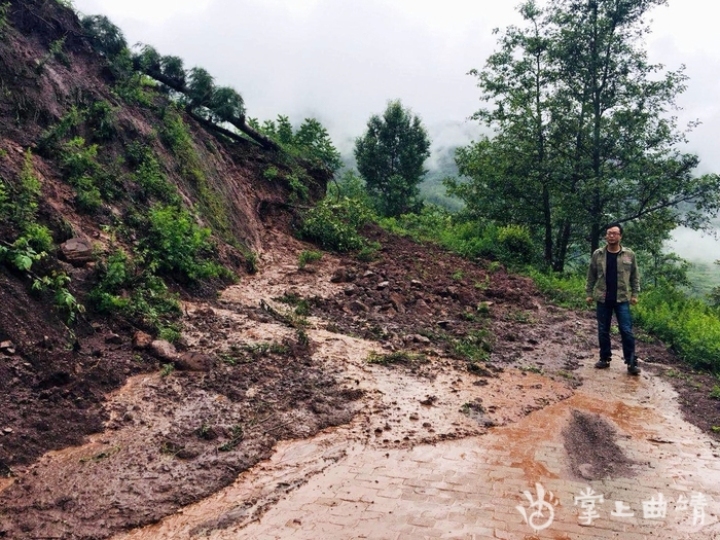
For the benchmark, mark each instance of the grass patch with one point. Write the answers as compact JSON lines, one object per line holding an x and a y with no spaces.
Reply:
{"x":308,"y":256}
{"x":397,"y":357}
{"x":476,"y":346}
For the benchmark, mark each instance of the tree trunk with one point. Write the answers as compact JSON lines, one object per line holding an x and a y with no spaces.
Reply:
{"x":239,"y":123}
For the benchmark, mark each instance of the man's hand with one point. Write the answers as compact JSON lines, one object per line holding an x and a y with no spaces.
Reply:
{"x":589,"y":299}
{"x":633,"y":300}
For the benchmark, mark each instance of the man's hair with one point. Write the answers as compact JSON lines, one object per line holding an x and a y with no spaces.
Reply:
{"x":614,"y":225}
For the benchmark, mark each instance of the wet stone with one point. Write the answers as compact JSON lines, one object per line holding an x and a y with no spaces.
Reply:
{"x":141,"y":340}
{"x":77,"y":251}
{"x":164,"y":350}
{"x":113,"y":339}
{"x":194,"y":361}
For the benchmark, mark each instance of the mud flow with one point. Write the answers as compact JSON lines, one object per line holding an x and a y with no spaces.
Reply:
{"x":416,"y":396}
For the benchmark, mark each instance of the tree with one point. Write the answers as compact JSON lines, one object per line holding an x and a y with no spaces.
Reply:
{"x":106,"y":38}
{"x":390,"y":158}
{"x":226,"y":104}
{"x":200,"y":88}
{"x":583,"y":131}
{"x":311,"y":140}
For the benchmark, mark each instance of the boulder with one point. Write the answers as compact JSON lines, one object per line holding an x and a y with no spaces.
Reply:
{"x":77,"y":251}
{"x":164,"y":350}
{"x":194,"y":361}
{"x":141,"y":340}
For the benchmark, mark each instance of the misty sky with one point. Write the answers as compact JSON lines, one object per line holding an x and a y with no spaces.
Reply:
{"x":342,"y":60}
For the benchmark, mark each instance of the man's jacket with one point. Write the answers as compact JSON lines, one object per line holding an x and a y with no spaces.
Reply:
{"x":628,"y":275}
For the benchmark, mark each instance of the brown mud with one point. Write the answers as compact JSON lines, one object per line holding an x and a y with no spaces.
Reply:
{"x":414,"y":349}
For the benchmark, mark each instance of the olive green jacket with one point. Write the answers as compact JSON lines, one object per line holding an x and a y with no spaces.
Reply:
{"x":628,"y":277}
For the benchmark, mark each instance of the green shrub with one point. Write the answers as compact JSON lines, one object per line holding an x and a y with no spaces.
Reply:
{"x":127,"y":290}
{"x":567,"y":290}
{"x":50,"y":139}
{"x":298,"y":190}
{"x":24,"y":205}
{"x":176,"y":136}
{"x":39,"y":237}
{"x":334,"y":225}
{"x":688,"y":325}
{"x":3,"y":18}
{"x":515,"y":245}
{"x":476,"y":346}
{"x":101,"y":118}
{"x":150,"y":177}
{"x":176,"y":245}
{"x":308,"y":256}
{"x":64,"y":300}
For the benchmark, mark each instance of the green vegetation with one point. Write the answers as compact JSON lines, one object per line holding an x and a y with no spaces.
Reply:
{"x":176,"y":246}
{"x":106,"y":38}
{"x":397,"y":357}
{"x":127,"y":289}
{"x":149,"y":176}
{"x":475,"y":347}
{"x":310,"y":141}
{"x":3,"y":18}
{"x":167,"y":369}
{"x":32,"y":240}
{"x":308,"y":256}
{"x":302,"y":306}
{"x":688,"y":325}
{"x":176,"y":136}
{"x":390,"y":157}
{"x":335,"y":226}
{"x":581,"y":137}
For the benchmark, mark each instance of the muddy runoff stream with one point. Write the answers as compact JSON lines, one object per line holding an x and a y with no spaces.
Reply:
{"x":336,"y":441}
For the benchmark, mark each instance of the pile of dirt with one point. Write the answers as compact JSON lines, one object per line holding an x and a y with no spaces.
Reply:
{"x":593,"y":453}
{"x":172,"y":440}
{"x":412,"y":297}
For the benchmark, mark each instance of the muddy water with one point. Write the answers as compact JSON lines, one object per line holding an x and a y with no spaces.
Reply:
{"x":433,"y":450}
{"x":340,"y":486}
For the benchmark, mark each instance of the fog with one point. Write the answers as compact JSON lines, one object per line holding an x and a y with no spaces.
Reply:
{"x":341,"y":61}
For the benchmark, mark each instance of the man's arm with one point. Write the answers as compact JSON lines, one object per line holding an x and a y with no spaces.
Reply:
{"x":634,"y":280}
{"x":591,"y":279}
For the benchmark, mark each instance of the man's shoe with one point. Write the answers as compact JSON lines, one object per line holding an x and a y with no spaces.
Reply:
{"x":603,"y":363}
{"x":633,"y":370}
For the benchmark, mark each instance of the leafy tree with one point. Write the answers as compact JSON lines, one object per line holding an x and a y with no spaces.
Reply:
{"x":148,"y":59}
{"x":311,"y":140}
{"x":390,"y":158}
{"x":172,"y":68}
{"x":583,"y":134}
{"x":226,"y":104}
{"x":315,"y":141}
{"x":106,"y":38}
{"x":200,"y":88}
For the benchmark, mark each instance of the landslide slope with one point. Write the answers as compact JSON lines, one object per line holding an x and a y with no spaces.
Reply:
{"x":135,"y":205}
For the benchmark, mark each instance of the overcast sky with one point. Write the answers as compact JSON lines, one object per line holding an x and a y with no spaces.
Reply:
{"x":342,"y":60}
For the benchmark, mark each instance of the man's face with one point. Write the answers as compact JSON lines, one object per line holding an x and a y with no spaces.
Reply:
{"x":613,"y":236}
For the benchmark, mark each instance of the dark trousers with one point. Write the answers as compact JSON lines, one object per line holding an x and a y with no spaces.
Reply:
{"x":604,"y":318}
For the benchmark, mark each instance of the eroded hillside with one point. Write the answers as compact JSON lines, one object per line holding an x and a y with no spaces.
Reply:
{"x":133,"y":204}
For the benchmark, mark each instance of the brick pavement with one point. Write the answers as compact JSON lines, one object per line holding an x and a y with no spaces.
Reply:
{"x":471,"y":488}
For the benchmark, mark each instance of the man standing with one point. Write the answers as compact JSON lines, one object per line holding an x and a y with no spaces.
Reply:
{"x":613,"y":282}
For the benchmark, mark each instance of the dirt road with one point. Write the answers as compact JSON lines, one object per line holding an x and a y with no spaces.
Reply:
{"x":419,"y":396}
